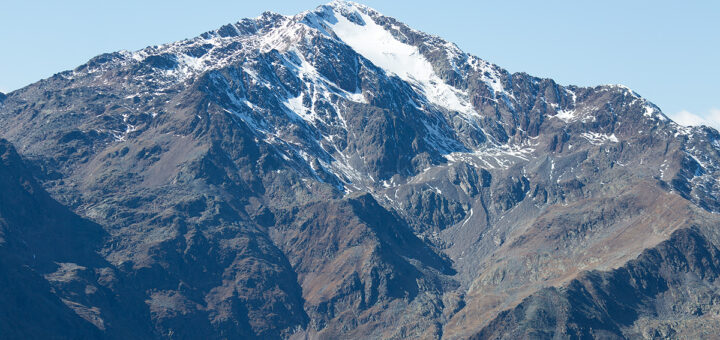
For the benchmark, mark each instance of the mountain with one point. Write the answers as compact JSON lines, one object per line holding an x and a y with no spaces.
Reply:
{"x":54,"y":282}
{"x":337,"y":174}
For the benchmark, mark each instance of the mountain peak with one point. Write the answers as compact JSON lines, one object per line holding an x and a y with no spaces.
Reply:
{"x":338,"y":174}
{"x":347,"y":5}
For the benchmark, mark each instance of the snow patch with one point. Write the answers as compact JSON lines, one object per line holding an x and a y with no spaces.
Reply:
{"x":652,"y":111}
{"x":295,"y":104}
{"x":379,"y":46}
{"x":599,"y":138}
{"x":565,"y":115}
{"x":501,"y":156}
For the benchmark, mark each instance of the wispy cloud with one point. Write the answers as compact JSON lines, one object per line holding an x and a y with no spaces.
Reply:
{"x":711,"y":118}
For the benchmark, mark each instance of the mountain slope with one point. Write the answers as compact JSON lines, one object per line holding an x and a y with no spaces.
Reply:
{"x":55,"y":285}
{"x":667,"y":292}
{"x":339,"y":174}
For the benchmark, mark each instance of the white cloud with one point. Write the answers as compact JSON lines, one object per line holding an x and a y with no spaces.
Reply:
{"x":711,"y":118}
{"x":687,"y":118}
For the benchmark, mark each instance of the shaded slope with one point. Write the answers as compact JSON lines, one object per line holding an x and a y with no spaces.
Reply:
{"x":649,"y":297}
{"x":55,"y":285}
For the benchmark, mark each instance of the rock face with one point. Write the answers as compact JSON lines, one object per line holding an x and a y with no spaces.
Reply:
{"x":667,"y":292}
{"x":337,"y":174}
{"x":55,"y":284}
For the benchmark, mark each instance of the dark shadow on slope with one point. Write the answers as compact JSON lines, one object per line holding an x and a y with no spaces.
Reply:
{"x":55,"y":284}
{"x":606,"y":304}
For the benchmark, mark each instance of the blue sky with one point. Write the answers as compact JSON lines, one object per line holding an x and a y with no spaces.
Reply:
{"x":668,"y":51}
